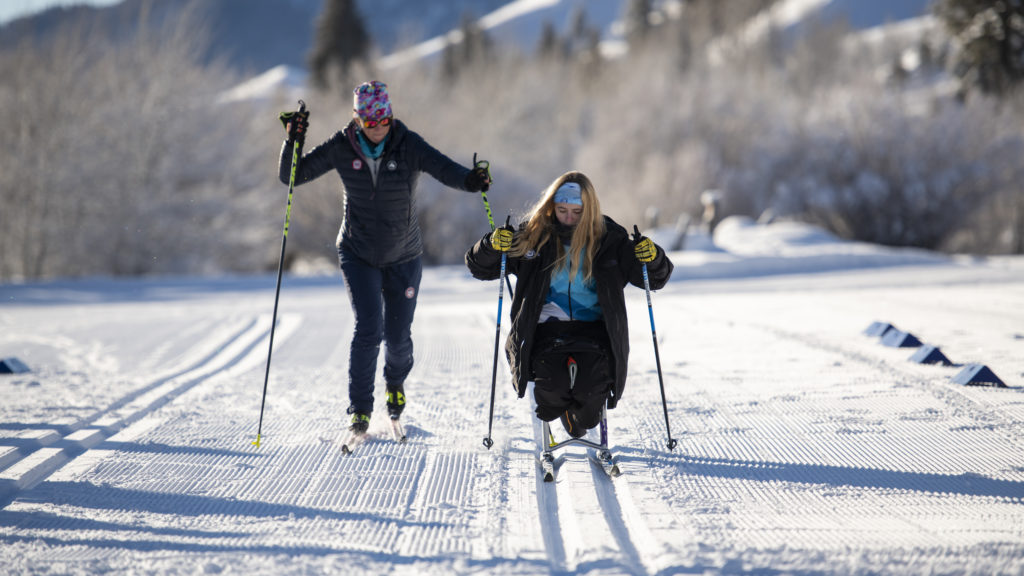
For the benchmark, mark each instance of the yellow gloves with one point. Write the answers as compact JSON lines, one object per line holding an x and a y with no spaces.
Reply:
{"x":501,"y":239}
{"x":645,"y":250}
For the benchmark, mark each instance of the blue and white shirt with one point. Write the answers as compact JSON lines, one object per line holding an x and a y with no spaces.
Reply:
{"x":571,"y":298}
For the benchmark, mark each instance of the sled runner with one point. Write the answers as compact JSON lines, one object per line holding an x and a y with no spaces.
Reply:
{"x":599,"y":450}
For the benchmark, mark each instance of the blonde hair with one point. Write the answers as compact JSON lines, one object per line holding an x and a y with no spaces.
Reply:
{"x":540,"y":227}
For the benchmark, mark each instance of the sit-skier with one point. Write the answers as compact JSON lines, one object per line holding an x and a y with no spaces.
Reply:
{"x":569,"y":332}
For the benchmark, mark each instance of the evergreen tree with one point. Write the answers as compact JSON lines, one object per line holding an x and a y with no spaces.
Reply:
{"x":580,"y":31}
{"x":474,"y":47}
{"x":341,"y":40}
{"x":637,"y":22}
{"x":549,"y":44}
{"x":990,"y":38}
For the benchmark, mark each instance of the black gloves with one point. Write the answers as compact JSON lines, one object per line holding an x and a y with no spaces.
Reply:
{"x":478,"y":180}
{"x":296,"y":124}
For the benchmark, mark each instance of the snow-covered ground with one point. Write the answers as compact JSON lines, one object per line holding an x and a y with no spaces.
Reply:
{"x":804,"y":446}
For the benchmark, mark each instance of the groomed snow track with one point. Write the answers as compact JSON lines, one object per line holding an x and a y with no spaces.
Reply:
{"x":804,"y":447}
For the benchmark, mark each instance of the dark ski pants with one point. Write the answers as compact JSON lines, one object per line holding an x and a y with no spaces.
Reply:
{"x":573,"y":371}
{"x":383,"y":302}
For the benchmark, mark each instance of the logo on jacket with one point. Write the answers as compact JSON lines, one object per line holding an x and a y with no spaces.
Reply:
{"x":357,"y":164}
{"x":392,"y":165}
{"x":531,"y":254}
{"x":410,"y":292}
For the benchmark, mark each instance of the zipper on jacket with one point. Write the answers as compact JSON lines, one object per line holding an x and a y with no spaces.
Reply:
{"x":570,"y":300}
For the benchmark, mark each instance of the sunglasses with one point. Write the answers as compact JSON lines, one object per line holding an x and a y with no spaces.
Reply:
{"x":386,"y":121}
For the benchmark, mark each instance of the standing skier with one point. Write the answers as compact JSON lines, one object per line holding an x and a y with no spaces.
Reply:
{"x":569,"y":331}
{"x":379,"y":245}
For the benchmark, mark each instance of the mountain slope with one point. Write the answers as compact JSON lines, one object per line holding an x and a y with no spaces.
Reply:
{"x":254,"y":36}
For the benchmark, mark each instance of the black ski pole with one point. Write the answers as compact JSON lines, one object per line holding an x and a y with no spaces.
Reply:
{"x":497,"y":339}
{"x":657,"y":357}
{"x":280,"y":268}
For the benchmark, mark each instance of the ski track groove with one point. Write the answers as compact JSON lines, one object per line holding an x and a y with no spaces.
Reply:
{"x":549,"y":509}
{"x":616,"y":536}
{"x":36,"y":461}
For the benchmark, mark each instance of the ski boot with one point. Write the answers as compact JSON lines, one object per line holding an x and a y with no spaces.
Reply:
{"x":360,"y":423}
{"x":395,"y":401}
{"x":571,"y":425}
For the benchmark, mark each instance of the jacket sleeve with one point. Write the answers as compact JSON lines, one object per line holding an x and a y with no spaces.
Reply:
{"x":483,"y":261}
{"x":433,"y":162}
{"x":311,"y":166}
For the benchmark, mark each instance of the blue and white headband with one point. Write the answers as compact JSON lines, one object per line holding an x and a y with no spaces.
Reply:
{"x":569,"y":193}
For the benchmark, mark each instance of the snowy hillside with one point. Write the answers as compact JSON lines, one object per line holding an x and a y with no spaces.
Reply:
{"x":804,"y":446}
{"x":518,"y":24}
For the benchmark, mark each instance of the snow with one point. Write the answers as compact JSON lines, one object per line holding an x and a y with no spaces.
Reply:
{"x":518,"y":23}
{"x":273,"y":82}
{"x":804,"y":446}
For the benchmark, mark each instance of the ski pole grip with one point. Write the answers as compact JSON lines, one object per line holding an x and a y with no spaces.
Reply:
{"x":302,"y":106}
{"x":636,"y":232}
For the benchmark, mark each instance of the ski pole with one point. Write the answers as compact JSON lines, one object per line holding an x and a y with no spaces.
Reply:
{"x":497,"y":338}
{"x":487,"y":205}
{"x":657,"y":357}
{"x":280,"y":269}
{"x":483,"y":193}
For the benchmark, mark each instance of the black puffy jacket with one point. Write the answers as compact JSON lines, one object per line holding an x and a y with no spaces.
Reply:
{"x":380,"y":223}
{"x":615,"y":265}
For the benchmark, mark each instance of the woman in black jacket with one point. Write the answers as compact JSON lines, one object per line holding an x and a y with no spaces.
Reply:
{"x":569,"y":331}
{"x":379,"y":161}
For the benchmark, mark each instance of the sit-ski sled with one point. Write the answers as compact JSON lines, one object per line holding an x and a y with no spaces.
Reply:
{"x":601,"y":454}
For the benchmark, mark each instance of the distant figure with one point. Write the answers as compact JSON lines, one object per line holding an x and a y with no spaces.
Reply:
{"x":569,"y":331}
{"x":712,"y":200}
{"x":379,"y":161}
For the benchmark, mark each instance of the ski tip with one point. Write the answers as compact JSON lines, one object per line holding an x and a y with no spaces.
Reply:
{"x":398,"y":431}
{"x":549,"y":477}
{"x":615,"y":472}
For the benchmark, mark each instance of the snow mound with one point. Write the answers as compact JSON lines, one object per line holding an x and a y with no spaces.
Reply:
{"x":742,"y":248}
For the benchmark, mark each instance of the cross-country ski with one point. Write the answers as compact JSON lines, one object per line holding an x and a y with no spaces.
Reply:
{"x":604,"y":459}
{"x":397,"y":431}
{"x":353,"y":441}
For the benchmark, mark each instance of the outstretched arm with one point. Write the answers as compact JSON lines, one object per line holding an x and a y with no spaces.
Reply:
{"x":433,"y":162}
